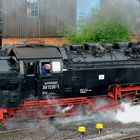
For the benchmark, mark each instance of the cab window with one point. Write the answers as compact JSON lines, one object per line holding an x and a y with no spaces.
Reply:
{"x":30,"y":68}
{"x":56,"y":66}
{"x":46,"y":68}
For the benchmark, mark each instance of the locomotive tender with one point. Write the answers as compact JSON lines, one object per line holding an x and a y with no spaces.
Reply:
{"x":75,"y":71}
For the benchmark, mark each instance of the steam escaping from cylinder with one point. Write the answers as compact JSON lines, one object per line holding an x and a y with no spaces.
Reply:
{"x":106,"y":116}
{"x":128,"y":113}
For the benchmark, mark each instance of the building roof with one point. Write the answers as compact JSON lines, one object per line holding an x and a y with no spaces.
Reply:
{"x":36,"y":52}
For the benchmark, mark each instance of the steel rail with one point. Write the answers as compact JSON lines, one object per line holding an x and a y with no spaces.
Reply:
{"x":11,"y":132}
{"x":130,"y":137}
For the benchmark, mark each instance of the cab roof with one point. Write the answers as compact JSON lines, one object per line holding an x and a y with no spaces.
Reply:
{"x":35,"y":52}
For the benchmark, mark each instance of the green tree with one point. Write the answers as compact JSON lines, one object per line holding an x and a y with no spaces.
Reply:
{"x":99,"y":28}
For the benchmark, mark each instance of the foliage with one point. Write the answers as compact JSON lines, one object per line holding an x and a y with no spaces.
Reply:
{"x":97,"y":28}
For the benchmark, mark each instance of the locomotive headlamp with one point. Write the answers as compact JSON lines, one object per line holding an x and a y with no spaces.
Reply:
{"x":56,"y":66}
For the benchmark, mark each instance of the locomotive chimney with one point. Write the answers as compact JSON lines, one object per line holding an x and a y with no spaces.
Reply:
{"x":0,"y":24}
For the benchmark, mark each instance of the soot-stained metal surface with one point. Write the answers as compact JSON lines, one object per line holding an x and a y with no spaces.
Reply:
{"x":36,"y":52}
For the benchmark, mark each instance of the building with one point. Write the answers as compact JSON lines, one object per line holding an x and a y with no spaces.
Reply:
{"x":85,"y":7}
{"x":37,"y":18}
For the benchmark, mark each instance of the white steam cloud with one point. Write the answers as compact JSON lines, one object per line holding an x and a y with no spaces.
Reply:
{"x":106,"y":116}
{"x":128,"y":114}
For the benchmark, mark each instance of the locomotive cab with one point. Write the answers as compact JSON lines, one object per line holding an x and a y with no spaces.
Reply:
{"x":42,"y":79}
{"x":50,"y":82}
{"x":41,"y":69}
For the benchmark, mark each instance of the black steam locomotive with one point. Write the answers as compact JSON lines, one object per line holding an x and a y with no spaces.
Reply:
{"x":75,"y":71}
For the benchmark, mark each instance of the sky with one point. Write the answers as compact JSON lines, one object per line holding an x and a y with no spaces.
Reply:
{"x":85,"y":6}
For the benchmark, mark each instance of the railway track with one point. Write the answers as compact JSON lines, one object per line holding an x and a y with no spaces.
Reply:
{"x":63,"y":134}
{"x":131,"y":137}
{"x":15,"y":131}
{"x":68,"y":131}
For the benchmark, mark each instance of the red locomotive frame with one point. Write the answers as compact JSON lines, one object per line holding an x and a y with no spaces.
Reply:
{"x":69,"y":106}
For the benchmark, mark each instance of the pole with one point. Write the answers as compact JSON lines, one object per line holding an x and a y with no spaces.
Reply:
{"x":139,"y":19}
{"x":0,"y":24}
